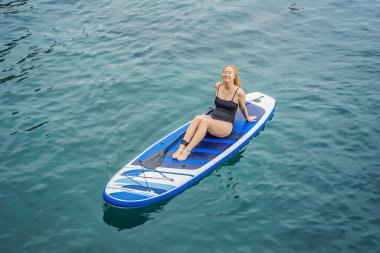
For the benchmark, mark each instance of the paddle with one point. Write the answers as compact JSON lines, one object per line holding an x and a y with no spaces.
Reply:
{"x":154,"y":160}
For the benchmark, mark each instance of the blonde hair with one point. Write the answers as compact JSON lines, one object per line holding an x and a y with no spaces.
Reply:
{"x":237,"y":77}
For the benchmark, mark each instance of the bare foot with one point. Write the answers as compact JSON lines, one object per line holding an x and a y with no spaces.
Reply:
{"x":179,"y":151}
{"x":185,"y":153}
{"x":252,"y":119}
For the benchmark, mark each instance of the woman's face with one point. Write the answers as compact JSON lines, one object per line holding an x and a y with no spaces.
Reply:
{"x":228,"y":74}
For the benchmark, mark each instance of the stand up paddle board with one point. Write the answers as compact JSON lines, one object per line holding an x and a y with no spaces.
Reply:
{"x":136,"y":186}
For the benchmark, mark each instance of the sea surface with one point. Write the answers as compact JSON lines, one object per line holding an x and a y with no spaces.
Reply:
{"x":85,"y":86}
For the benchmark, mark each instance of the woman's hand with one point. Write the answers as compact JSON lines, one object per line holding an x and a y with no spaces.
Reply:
{"x":252,"y":119}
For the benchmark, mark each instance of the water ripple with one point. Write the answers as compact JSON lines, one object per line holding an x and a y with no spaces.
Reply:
{"x":26,"y":63}
{"x":11,"y":7}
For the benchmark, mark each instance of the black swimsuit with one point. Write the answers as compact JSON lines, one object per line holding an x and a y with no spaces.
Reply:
{"x":224,"y":110}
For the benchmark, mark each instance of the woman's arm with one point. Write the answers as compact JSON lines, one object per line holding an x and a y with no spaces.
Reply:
{"x":243,"y":108}
{"x":216,"y":87}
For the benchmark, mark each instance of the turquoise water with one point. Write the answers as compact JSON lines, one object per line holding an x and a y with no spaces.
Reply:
{"x":86,"y":86}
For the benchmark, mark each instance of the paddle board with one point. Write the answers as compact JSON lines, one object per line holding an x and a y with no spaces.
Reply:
{"x":135,"y":186}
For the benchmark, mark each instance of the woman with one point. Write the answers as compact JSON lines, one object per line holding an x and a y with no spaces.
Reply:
{"x":229,"y":96}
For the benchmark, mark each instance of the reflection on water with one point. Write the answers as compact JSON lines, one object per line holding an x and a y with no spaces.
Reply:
{"x":123,"y":218}
{"x":226,"y":177}
{"x":235,"y":158}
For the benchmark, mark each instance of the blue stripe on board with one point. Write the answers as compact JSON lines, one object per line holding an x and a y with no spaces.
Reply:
{"x":128,"y":196}
{"x":214,"y":145}
{"x":235,"y":135}
{"x":132,"y":172}
{"x":156,"y":185}
{"x":218,"y":140}
{"x":211,"y":151}
{"x":177,"y":165}
{"x":125,"y":180}
{"x":187,"y":161}
{"x":138,"y":172}
{"x":144,"y":188}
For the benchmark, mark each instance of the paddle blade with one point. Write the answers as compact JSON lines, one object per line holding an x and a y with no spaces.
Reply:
{"x":154,"y":160}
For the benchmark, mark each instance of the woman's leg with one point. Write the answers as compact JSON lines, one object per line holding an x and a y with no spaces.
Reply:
{"x":189,"y":133}
{"x":217,"y":128}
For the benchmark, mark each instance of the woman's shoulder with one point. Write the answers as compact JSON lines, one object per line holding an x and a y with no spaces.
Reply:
{"x":217,"y":84}
{"x":240,"y":92}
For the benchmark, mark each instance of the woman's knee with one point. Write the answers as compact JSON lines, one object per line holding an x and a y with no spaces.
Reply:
{"x":205,"y":122}
{"x":198,"y":118}
{"x":201,"y":118}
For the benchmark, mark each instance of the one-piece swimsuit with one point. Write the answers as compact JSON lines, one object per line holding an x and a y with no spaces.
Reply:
{"x":225,"y":110}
